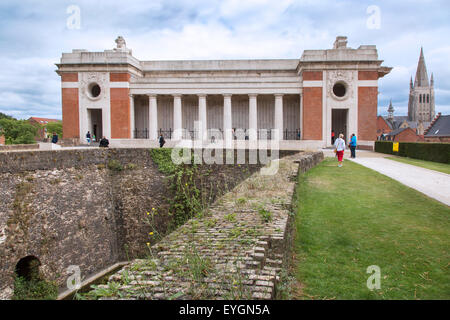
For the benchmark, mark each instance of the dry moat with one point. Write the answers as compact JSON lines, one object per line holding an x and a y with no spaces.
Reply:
{"x":187,"y":231}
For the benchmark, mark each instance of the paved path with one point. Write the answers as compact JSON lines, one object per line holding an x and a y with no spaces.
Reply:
{"x":432,"y":183}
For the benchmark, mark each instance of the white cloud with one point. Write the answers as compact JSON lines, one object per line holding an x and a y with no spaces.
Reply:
{"x":33,"y":34}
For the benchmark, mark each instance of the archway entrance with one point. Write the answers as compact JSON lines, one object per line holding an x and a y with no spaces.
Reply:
{"x":339,"y":121}
{"x":95,"y":123}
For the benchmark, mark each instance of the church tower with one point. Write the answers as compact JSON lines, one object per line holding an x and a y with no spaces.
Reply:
{"x":421,"y":94}
{"x":390,"y":111}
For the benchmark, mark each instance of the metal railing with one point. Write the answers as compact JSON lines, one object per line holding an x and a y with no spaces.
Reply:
{"x":291,"y":134}
{"x":140,"y":134}
{"x":167,"y":134}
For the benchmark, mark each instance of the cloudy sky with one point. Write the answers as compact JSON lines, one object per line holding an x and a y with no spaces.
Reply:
{"x":33,"y":34}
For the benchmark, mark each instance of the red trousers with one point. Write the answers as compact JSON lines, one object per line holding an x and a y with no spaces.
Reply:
{"x":340,"y":155}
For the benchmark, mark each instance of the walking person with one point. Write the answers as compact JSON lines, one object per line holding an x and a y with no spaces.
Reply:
{"x":88,"y":137}
{"x":352,"y":145}
{"x":339,"y":146}
{"x":332,"y":137}
{"x":161,"y":140}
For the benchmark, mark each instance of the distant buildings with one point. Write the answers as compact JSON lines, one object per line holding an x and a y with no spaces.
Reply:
{"x":439,"y":130}
{"x":41,"y":123}
{"x":421,"y":111}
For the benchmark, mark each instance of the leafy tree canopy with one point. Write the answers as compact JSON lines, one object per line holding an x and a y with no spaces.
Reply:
{"x":17,"y":131}
{"x":5,"y":116}
{"x":54,"y":127}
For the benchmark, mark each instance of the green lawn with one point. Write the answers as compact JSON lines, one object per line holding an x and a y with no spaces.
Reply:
{"x":442,"y":167}
{"x":350,"y":218}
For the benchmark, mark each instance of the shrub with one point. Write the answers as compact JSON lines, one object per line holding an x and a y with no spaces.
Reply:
{"x":437,"y":152}
{"x":115,"y":165}
{"x":384,"y":147}
{"x":163,"y":160}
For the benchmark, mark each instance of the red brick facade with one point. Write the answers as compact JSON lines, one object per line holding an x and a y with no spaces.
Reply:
{"x":367,"y":113}
{"x":119,"y":77}
{"x":69,"y":77}
{"x":120,"y":113}
{"x":70,"y":113}
{"x":312,"y":75}
{"x":367,"y":75}
{"x":312,"y":113}
{"x":2,"y":140}
{"x":382,"y":126}
{"x":408,"y":135}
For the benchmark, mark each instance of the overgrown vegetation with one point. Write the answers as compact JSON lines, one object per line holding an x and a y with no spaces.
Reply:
{"x":186,"y":199}
{"x":265,"y":215}
{"x":115,"y":165}
{"x":34,"y":289}
{"x":163,"y":160}
{"x":352,"y":218}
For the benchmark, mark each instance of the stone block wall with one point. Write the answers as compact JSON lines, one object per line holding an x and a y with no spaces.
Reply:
{"x":12,"y":147}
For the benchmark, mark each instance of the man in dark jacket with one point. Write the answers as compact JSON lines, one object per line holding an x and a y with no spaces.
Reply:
{"x":104,"y":143}
{"x":161,"y":141}
{"x":55,"y":138}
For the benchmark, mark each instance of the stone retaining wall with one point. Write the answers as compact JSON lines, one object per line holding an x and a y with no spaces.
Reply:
{"x":11,"y":147}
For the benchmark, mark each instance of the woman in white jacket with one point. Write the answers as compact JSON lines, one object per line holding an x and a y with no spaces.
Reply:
{"x":339,"y":146}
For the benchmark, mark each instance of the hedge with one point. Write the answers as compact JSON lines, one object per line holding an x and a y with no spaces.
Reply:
{"x":437,"y":152}
{"x":384,"y":147}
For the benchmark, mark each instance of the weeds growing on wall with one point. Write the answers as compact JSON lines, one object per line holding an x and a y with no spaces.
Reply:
{"x":186,"y":199}
{"x":34,"y":289}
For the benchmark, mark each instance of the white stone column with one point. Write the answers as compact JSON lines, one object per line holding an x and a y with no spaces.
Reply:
{"x":177,"y":114}
{"x":153,"y":117}
{"x":253,"y":117}
{"x":301,"y":115}
{"x":202,"y":116}
{"x":279,"y":116}
{"x":132,"y":120}
{"x":227,"y":126}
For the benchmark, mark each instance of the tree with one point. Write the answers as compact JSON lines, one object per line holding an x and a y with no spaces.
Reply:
{"x":5,"y":116}
{"x":54,"y":127}
{"x":17,"y":131}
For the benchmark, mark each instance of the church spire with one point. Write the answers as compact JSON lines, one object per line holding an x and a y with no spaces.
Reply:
{"x":421,"y":73}
{"x":390,"y":111}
